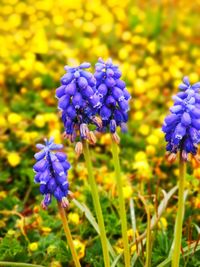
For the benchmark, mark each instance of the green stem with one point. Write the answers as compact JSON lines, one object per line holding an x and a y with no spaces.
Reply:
{"x":180,"y":214}
{"x":96,"y":202}
{"x":148,"y":240}
{"x":68,"y":235}
{"x":122,"y":210}
{"x":19,"y":264}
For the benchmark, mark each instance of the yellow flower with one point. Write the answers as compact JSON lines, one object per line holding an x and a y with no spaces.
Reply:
{"x":80,"y":247}
{"x":139,"y":156}
{"x":37,"y":82}
{"x":55,"y":264}
{"x":150,"y":150}
{"x":14,"y":118}
{"x":73,"y":217}
{"x":162,"y":224}
{"x":144,"y":129}
{"x":130,"y":233}
{"x":106,"y":139}
{"x":152,"y":139}
{"x":46,"y":230}
{"x":3,"y":122}
{"x":40,"y":121}
{"x":56,"y":134}
{"x":119,"y":250}
{"x":127,"y":191}
{"x":137,"y":104}
{"x":133,"y":249}
{"x":13,"y":159}
{"x":33,"y":246}
{"x":138,"y":115}
{"x":3,"y":194}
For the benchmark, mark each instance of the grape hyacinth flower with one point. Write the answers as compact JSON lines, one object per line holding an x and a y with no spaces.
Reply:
{"x":51,"y":173}
{"x":78,"y":101}
{"x":114,"y":112}
{"x":113,"y":95}
{"x":182,"y":126}
{"x":182,"y":132}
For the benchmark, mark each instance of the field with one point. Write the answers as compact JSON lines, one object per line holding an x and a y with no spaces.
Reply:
{"x":155,"y":44}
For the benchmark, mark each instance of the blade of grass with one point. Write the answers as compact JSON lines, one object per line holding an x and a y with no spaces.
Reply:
{"x":133,"y":218}
{"x":19,"y":264}
{"x":93,"y":222}
{"x":149,"y":238}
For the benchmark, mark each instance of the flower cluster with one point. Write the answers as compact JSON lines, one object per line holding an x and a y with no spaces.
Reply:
{"x":78,"y":100}
{"x":51,"y":172}
{"x":113,"y":94}
{"x":182,"y":126}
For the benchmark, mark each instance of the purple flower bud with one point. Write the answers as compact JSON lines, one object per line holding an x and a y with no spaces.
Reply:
{"x":61,"y":156}
{"x":43,"y":189}
{"x":124,"y":105}
{"x":71,"y":112}
{"x":92,"y":81}
{"x":99,"y":75}
{"x":37,"y":177}
{"x":110,"y":82}
{"x":105,"y":113}
{"x":126,"y":94}
{"x":109,"y":72}
{"x":58,"y":194}
{"x":95,"y":101}
{"x":40,"y":146}
{"x":113,"y":126}
{"x":120,"y":84}
{"x":60,"y":91}
{"x":118,"y":94}
{"x":82,"y":82}
{"x":185,"y":120}
{"x":64,"y":102}
{"x":58,"y":168}
{"x":77,"y":101}
{"x":85,"y":65}
{"x":102,"y":90}
{"x":66,"y":165}
{"x":40,"y":165}
{"x":110,"y":101}
{"x":65,"y":186}
{"x":47,"y":200}
{"x":51,"y":185}
{"x":67,"y":78}
{"x":40,"y":155}
{"x":70,"y":89}
{"x":86,"y":74}
{"x":87,"y":92}
{"x":118,"y":74}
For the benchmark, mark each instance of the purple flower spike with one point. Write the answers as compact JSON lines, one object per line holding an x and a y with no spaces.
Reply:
{"x":51,"y":172}
{"x":78,"y":100}
{"x":182,"y":126}
{"x":113,"y":94}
